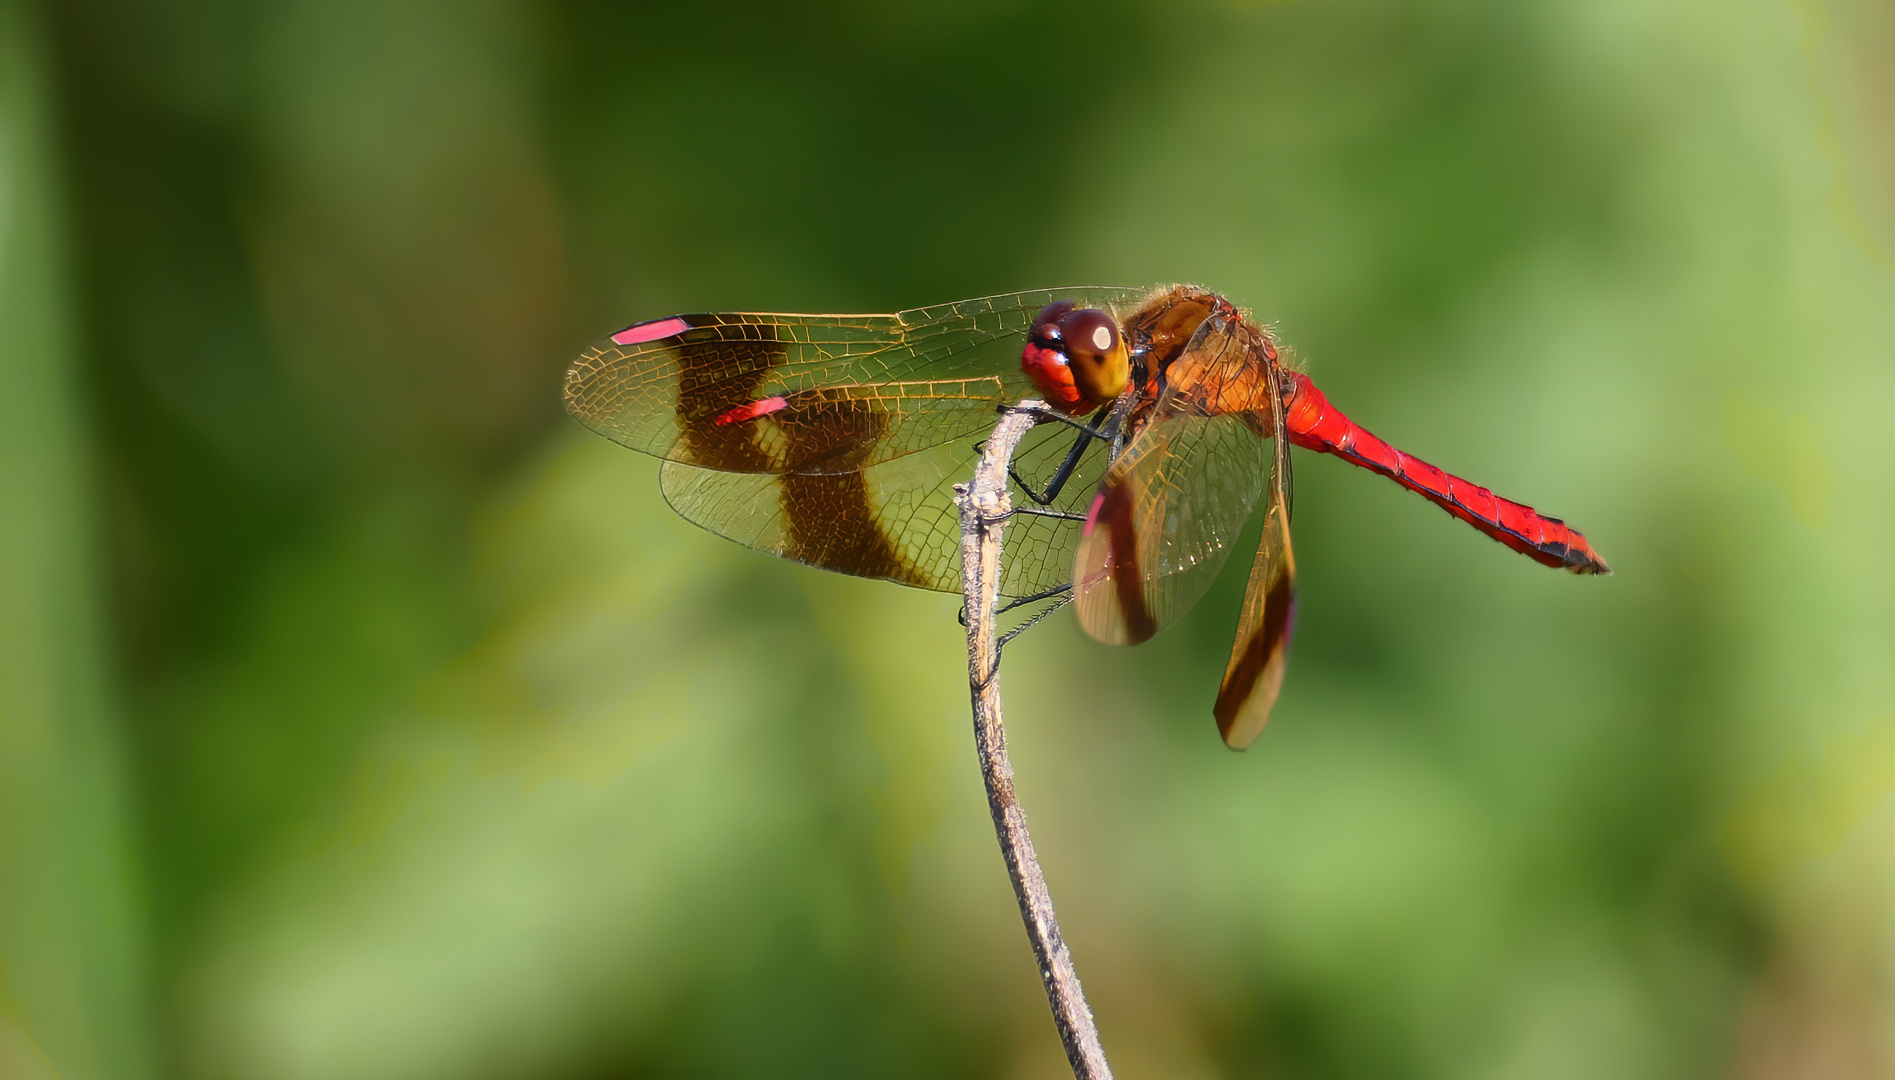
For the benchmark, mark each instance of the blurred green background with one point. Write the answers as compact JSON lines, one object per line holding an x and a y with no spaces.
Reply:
{"x":361,"y":716}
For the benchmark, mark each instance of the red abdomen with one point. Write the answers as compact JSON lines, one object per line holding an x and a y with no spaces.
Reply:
{"x":1315,"y":424}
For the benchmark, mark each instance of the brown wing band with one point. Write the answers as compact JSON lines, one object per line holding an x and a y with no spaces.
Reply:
{"x":1268,"y":640}
{"x":717,"y":373}
{"x":1128,"y":582}
{"x":832,"y":525}
{"x":830,"y":521}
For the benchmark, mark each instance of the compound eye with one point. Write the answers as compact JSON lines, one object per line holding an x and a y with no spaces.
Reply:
{"x":1046,"y":330}
{"x":1089,"y":330}
{"x":1096,"y":352}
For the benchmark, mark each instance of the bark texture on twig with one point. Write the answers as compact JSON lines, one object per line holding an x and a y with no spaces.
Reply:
{"x":984,"y":505}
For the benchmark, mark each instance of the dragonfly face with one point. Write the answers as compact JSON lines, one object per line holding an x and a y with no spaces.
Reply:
{"x":836,"y":441}
{"x":1077,"y":357}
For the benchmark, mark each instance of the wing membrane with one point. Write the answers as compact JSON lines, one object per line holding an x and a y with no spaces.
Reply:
{"x":1260,"y":653}
{"x":818,"y":394}
{"x":1174,"y":501}
{"x":894,"y":519}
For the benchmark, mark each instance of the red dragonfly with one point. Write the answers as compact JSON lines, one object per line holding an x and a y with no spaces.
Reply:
{"x":835,"y":440}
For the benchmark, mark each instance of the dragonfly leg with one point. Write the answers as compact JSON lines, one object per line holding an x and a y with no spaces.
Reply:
{"x":961,"y":616}
{"x":1038,"y":596}
{"x":1065,"y":471}
{"x":1118,"y":427}
{"x":1001,"y":642}
{"x":1112,"y":432}
{"x":1086,"y":431}
{"x":1041,"y":412}
{"x":1035,"y":511}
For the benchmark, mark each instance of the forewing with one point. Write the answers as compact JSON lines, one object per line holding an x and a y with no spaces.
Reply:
{"x":1163,"y":522}
{"x":816,"y":394}
{"x":1258,"y":656}
{"x":895,"y":519}
{"x":1172,"y":504}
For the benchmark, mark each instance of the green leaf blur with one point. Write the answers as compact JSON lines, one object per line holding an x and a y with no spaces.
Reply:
{"x":362,"y":716}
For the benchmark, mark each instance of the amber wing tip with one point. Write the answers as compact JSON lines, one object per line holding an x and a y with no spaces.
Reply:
{"x":1237,"y":727}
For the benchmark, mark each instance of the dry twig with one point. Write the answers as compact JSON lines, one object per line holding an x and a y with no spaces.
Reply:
{"x":985,"y":505}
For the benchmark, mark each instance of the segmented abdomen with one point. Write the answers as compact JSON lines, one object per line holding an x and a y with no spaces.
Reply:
{"x":1315,"y":424}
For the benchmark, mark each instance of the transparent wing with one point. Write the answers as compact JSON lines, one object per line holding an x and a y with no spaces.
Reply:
{"x":1258,"y":657}
{"x":1170,"y":507}
{"x":819,"y":394}
{"x":895,"y":519}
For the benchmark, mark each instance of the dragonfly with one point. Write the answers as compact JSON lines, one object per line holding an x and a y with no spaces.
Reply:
{"x":1168,"y":414}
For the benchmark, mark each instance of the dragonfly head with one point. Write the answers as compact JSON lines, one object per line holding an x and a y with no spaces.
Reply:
{"x":1077,"y":357}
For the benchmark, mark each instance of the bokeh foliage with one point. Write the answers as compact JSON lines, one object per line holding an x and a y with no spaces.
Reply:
{"x":364,"y":718}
